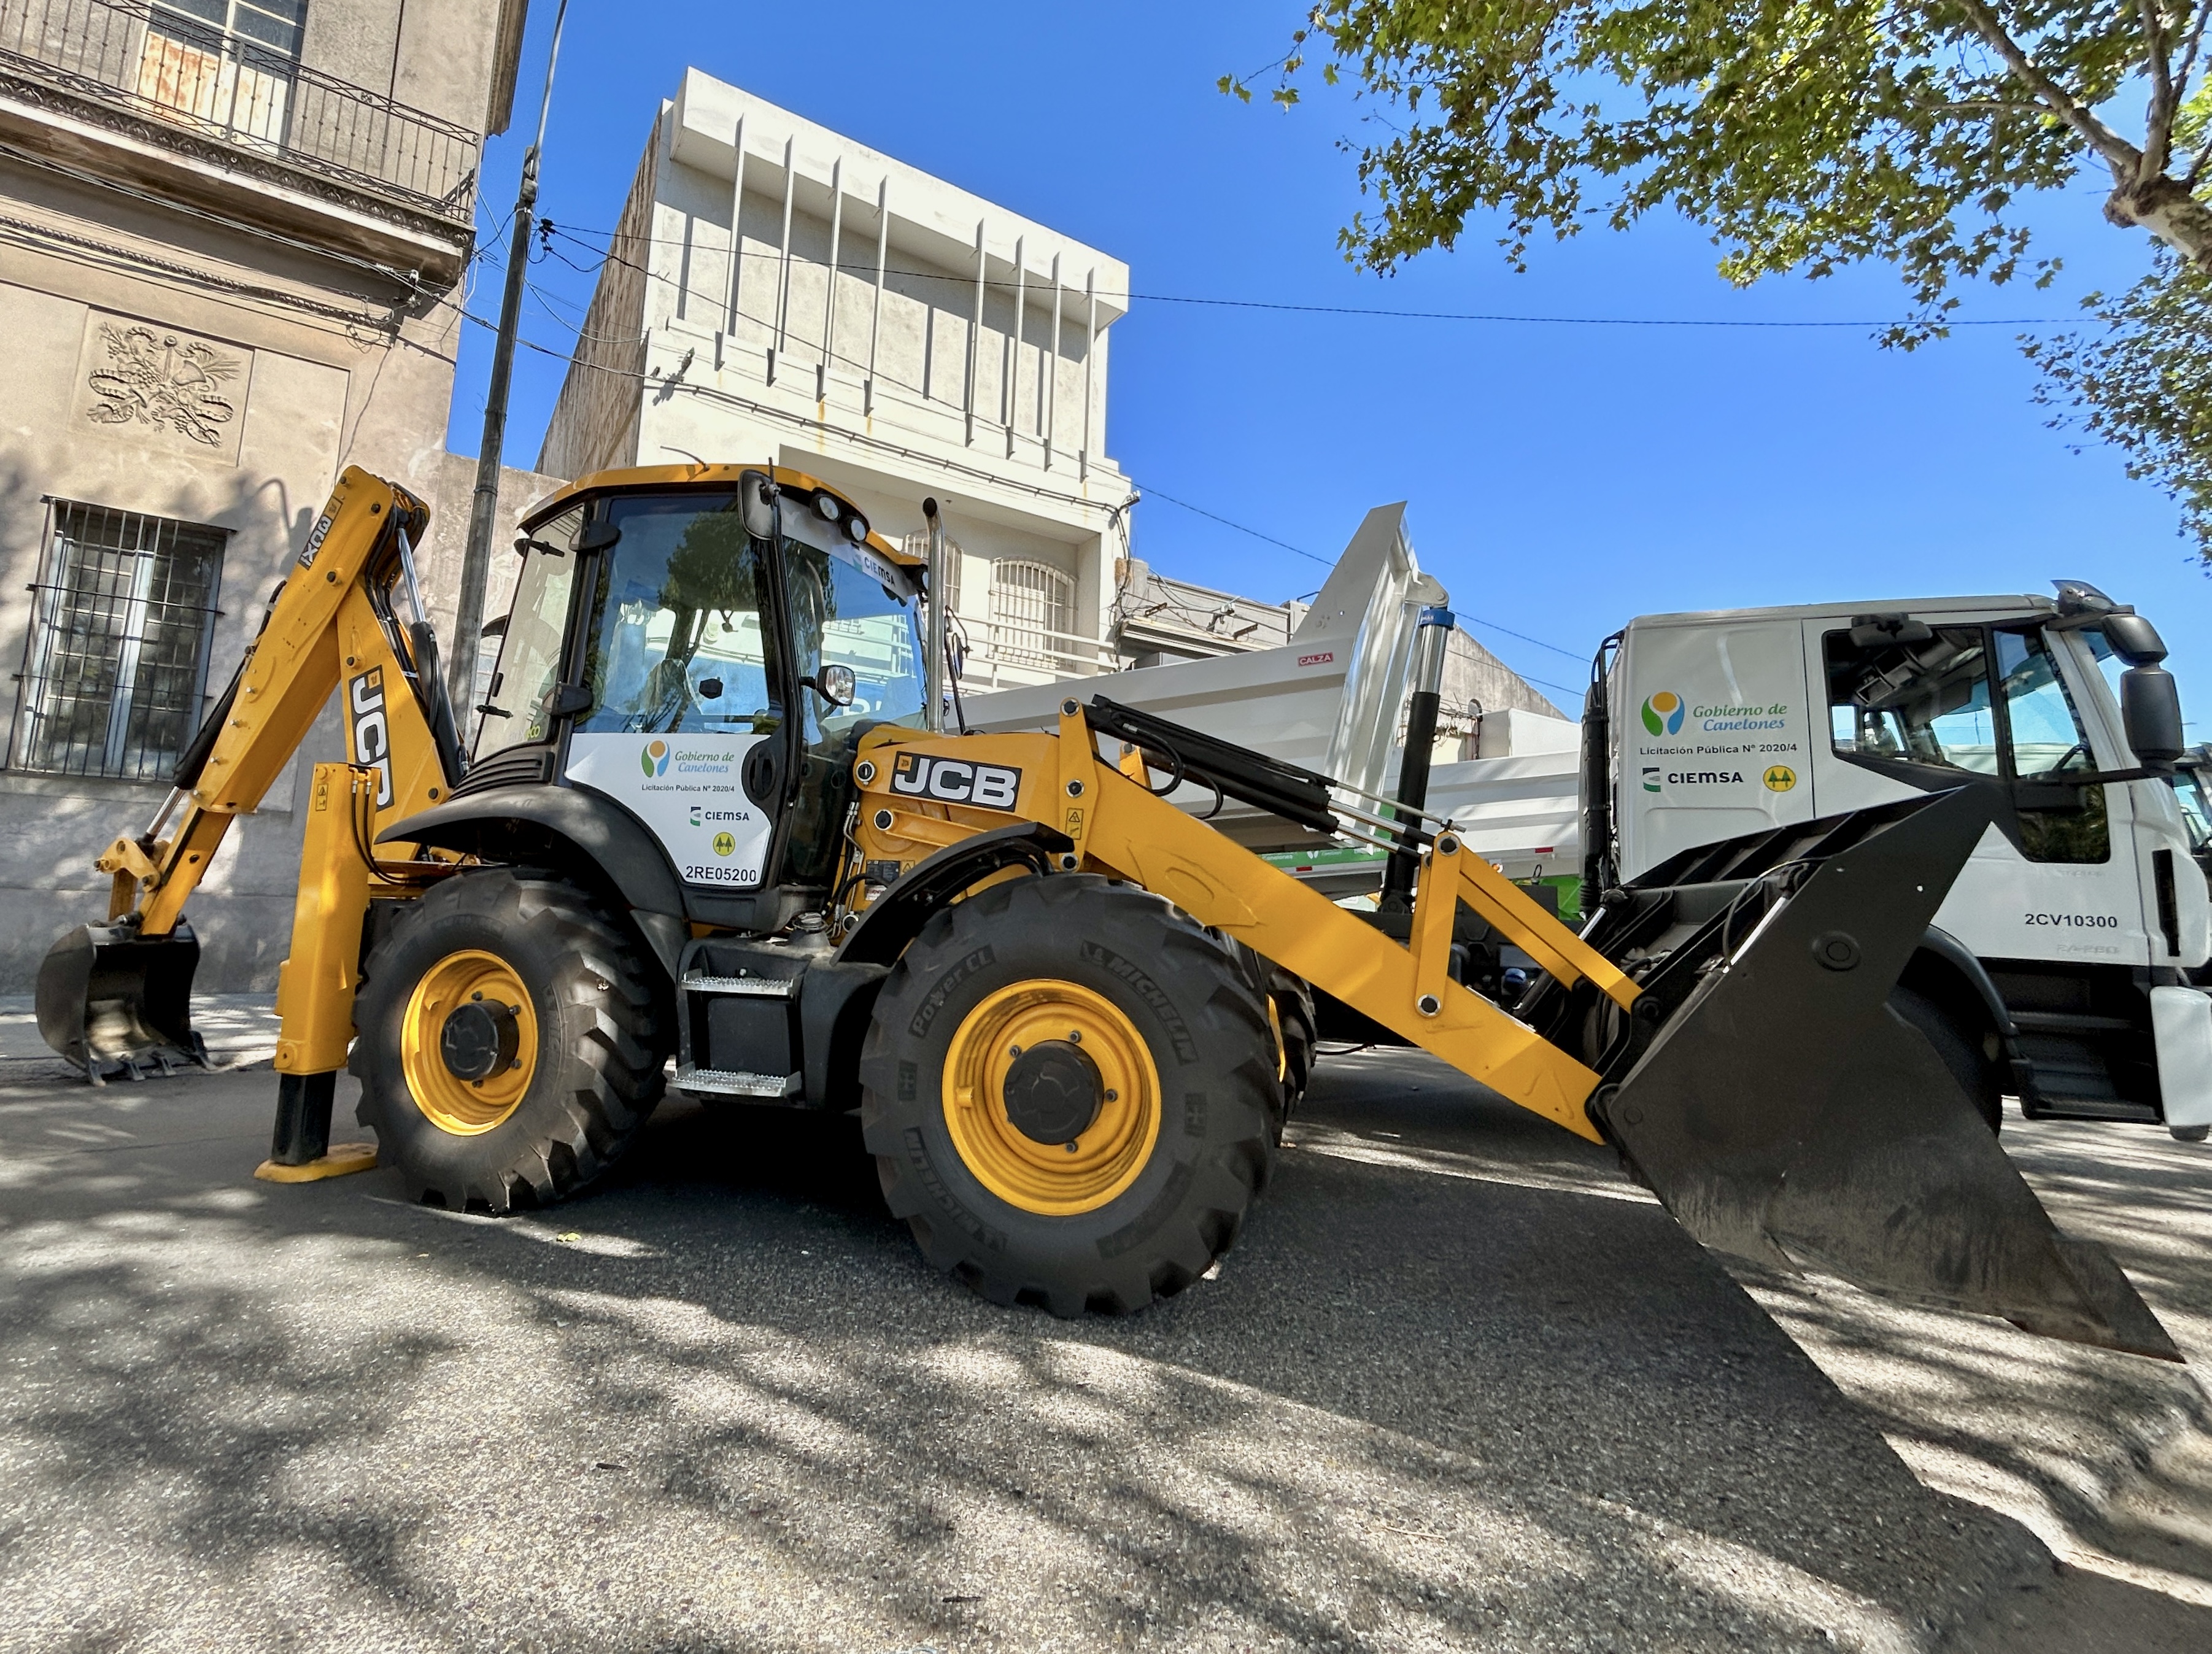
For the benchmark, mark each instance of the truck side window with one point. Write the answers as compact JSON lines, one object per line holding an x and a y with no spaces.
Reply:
{"x":2048,"y":742}
{"x":1924,"y":703}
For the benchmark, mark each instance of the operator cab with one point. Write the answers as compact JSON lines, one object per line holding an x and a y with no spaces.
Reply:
{"x":701,"y":646}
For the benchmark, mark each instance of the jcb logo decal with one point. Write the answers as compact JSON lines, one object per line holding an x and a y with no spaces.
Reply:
{"x":371,"y":732}
{"x":955,"y":781}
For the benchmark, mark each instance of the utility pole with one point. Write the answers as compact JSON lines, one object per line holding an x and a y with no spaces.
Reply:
{"x":484,"y":511}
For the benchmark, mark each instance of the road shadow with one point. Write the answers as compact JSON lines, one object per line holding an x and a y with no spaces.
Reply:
{"x":1457,"y":1386}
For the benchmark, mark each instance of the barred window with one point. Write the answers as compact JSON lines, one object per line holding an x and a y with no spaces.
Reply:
{"x":1029,"y":603}
{"x":115,"y":668}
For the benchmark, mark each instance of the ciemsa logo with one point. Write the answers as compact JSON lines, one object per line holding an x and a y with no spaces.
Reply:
{"x":1662,"y":713}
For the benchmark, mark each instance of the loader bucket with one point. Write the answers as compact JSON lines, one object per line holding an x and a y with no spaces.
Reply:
{"x":113,"y":1002}
{"x":1783,"y":1113}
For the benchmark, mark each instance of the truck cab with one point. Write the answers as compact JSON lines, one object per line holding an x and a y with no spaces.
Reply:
{"x":2062,"y":963}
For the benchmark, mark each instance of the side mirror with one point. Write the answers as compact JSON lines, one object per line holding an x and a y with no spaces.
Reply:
{"x":2134,"y":639}
{"x":2150,"y":711}
{"x":837,"y":685}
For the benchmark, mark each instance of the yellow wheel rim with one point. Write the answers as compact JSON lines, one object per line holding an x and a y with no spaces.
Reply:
{"x":1055,"y":1179}
{"x":465,"y":1108}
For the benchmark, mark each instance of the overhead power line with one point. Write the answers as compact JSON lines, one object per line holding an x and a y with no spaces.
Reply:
{"x":1377,"y":312}
{"x":1149,"y":492}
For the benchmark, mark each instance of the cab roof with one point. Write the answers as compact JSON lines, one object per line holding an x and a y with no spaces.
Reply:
{"x":1985,"y":604}
{"x":706,"y":479}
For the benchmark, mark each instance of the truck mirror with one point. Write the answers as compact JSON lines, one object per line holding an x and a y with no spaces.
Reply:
{"x":2150,"y":710}
{"x":837,"y":685}
{"x":599,"y":536}
{"x":2134,"y":639}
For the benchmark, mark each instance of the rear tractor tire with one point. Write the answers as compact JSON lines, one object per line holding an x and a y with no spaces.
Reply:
{"x":510,"y":1042}
{"x":2189,"y":1134}
{"x":1067,"y":1086}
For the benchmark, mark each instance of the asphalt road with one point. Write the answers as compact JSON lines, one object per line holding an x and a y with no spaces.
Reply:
{"x":1458,"y":1386}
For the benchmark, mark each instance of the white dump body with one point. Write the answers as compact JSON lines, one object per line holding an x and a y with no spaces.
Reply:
{"x":1328,"y":701}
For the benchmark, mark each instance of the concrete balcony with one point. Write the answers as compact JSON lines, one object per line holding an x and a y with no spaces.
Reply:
{"x":158,"y":102}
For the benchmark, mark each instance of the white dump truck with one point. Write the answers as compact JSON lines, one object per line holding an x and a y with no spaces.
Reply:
{"x":2063,"y":967}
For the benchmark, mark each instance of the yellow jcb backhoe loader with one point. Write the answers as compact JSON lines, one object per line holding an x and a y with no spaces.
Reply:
{"x":712,"y":822}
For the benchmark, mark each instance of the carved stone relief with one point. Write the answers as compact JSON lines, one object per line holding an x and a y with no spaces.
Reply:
{"x":163,"y":386}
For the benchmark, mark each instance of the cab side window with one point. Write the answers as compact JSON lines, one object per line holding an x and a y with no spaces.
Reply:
{"x":1944,"y":706}
{"x":1919,"y":700}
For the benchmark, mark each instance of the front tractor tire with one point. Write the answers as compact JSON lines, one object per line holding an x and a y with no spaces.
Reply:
{"x":510,"y":1043}
{"x":1068,"y":1087}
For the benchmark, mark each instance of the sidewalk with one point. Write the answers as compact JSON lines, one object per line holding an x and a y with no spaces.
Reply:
{"x":240,"y":1030}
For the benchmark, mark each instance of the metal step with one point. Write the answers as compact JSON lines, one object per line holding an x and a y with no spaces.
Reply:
{"x":2092,"y":1107}
{"x":729,"y":1082}
{"x":2069,"y":1022}
{"x":764,"y":987}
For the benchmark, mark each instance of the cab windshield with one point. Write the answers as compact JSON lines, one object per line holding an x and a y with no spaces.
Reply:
{"x":675,"y":640}
{"x":677,"y":644}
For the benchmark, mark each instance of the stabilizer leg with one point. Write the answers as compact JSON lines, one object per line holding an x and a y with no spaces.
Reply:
{"x":299,"y":1150}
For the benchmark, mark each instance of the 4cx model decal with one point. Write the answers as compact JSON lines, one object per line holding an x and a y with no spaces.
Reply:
{"x":956,"y":780}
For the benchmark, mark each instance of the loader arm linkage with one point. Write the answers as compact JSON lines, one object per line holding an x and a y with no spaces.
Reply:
{"x":1776,"y":1106}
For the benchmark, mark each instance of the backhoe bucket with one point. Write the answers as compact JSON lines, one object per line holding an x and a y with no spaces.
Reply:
{"x":1784,"y":1113}
{"x":113,"y":1002}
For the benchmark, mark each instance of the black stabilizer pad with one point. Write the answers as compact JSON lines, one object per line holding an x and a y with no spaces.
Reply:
{"x":1785,"y":1114}
{"x":113,"y":1002}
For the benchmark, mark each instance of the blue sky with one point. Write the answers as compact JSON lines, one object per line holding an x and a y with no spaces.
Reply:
{"x":1560,"y":479}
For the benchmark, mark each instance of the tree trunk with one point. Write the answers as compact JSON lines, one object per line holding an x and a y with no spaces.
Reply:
{"x":2166,"y":209}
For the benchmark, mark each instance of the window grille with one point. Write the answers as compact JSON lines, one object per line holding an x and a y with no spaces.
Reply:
{"x":1031,"y":602}
{"x":115,"y":668}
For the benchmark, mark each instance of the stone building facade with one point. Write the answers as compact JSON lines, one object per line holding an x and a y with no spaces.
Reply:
{"x":232,"y":233}
{"x":881,"y":329}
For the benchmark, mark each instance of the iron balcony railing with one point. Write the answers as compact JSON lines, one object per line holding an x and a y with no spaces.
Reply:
{"x":256,"y":100}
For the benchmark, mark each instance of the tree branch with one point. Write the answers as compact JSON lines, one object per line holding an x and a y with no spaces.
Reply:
{"x":2158,"y":122}
{"x":2189,"y":53}
{"x":2122,"y":157}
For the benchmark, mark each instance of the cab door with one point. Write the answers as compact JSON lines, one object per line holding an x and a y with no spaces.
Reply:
{"x":1924,"y":705}
{"x":679,"y":692}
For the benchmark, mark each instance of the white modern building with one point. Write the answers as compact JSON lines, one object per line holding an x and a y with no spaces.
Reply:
{"x":775,"y":290}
